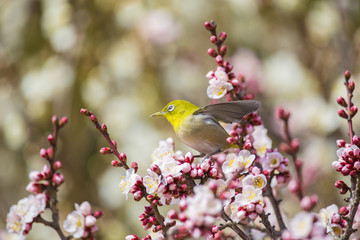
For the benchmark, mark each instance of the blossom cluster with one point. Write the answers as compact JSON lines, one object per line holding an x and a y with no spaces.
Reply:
{"x":81,"y":223}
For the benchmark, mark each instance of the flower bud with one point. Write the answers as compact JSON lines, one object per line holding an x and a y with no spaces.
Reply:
{"x":138,"y":195}
{"x":223,"y":50}
{"x":356,"y":140}
{"x":340,"y":143}
{"x":105,"y":150}
{"x":43,"y":153}
{"x":215,"y":229}
{"x":213,"y":39}
{"x":90,"y":221}
{"x":212,"y":52}
{"x":222,"y":36}
{"x":57,"y":165}
{"x":341,"y":101}
{"x":84,"y":111}
{"x":344,"y":211}
{"x":93,"y":118}
{"x":135,"y":166}
{"x":210,"y":25}
{"x":353,"y":110}
{"x":58,"y":179}
{"x":123,"y":157}
{"x":63,"y":121}
{"x":347,"y":75}
{"x":98,"y":214}
{"x":351,"y":86}
{"x":342,"y":113}
{"x":219,"y":60}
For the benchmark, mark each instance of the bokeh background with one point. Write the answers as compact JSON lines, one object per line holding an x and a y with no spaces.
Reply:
{"x":125,"y":59}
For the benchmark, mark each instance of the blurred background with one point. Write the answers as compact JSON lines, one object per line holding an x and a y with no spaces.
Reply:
{"x":125,"y":59}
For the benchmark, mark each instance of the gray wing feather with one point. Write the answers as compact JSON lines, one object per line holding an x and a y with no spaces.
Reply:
{"x":230,"y":111}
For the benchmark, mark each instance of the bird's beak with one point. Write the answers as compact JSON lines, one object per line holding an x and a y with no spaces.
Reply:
{"x":157,"y":114}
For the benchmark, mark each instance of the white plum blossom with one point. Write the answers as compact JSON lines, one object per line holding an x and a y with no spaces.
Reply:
{"x":235,"y":164}
{"x":257,"y":181}
{"x":203,"y":207}
{"x":128,"y":181}
{"x":300,"y":225}
{"x":233,"y":211}
{"x":272,"y":160}
{"x":24,"y":212}
{"x":249,"y":194}
{"x":171,"y":167}
{"x":75,"y":224}
{"x":14,"y":223}
{"x":325,"y":215}
{"x":84,"y":208}
{"x":219,"y":83}
{"x":261,"y":140}
{"x":165,"y":149}
{"x":151,"y":181}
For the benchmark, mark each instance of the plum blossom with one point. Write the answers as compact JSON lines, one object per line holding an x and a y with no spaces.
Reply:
{"x":151,"y":181}
{"x":257,"y":181}
{"x":325,"y":215}
{"x":235,"y":164}
{"x":272,"y":160}
{"x":75,"y":224}
{"x":128,"y":181}
{"x":300,"y":225}
{"x":24,"y":212}
{"x":261,"y":140}
{"x":249,"y":194}
{"x":203,"y":207}
{"x":219,"y":83}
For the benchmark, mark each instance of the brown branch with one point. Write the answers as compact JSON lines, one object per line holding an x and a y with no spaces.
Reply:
{"x":230,"y":223}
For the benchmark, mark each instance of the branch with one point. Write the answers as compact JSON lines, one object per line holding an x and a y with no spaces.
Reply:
{"x":233,"y":226}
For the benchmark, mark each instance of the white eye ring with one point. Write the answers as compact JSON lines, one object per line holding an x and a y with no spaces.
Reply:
{"x":170,"y":108}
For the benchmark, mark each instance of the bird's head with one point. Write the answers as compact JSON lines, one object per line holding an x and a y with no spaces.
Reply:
{"x":176,"y":111}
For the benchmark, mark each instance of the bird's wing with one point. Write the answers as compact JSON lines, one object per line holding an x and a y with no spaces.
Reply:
{"x":230,"y":111}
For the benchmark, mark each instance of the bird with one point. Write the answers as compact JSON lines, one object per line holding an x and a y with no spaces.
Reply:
{"x":199,"y":127}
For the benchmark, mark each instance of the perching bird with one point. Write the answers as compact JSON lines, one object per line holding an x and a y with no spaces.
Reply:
{"x":199,"y":127}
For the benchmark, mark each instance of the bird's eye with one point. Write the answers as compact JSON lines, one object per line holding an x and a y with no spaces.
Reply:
{"x":170,"y":108}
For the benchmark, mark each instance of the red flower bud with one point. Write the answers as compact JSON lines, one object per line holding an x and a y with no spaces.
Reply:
{"x":347,"y":75}
{"x":353,"y":110}
{"x":222,"y":36}
{"x":212,"y":52}
{"x":351,"y":86}
{"x":342,"y":113}
{"x":341,"y":101}
{"x":84,"y":111}
{"x":223,"y":50}
{"x":213,"y":39}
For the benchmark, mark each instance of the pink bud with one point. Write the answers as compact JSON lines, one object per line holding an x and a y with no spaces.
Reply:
{"x":337,"y":166}
{"x":132,"y":237}
{"x":222,"y":36}
{"x":51,"y":139}
{"x":43,"y":153}
{"x":123,"y":157}
{"x":54,"y":119}
{"x":213,"y":39}
{"x":172,"y":214}
{"x":353,"y":111}
{"x":340,"y":143}
{"x":212,"y":52}
{"x":259,"y":208}
{"x":341,"y":101}
{"x":210,"y":25}
{"x":57,"y":165}
{"x":219,"y":60}
{"x":169,"y":179}
{"x":223,"y":51}
{"x":295,"y":144}
{"x":35,"y":176}
{"x":250,"y":207}
{"x":340,"y":184}
{"x":342,"y":113}
{"x":93,"y":118}
{"x":58,"y":179}
{"x":214,"y":229}
{"x":193,"y":173}
{"x":344,"y":211}
{"x":138,"y":195}
{"x":347,"y":75}
{"x":172,"y":186}
{"x":213,"y":172}
{"x":356,"y":140}
{"x":135,"y":166}
{"x":186,"y":167}
{"x":357,"y":165}
{"x":84,"y":111}
{"x":205,"y":165}
{"x":105,"y":150}
{"x":351,"y":86}
{"x":200,"y":172}
{"x":46,"y":172}
{"x":35,"y":188}
{"x":63,"y":121}
{"x":98,"y":214}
